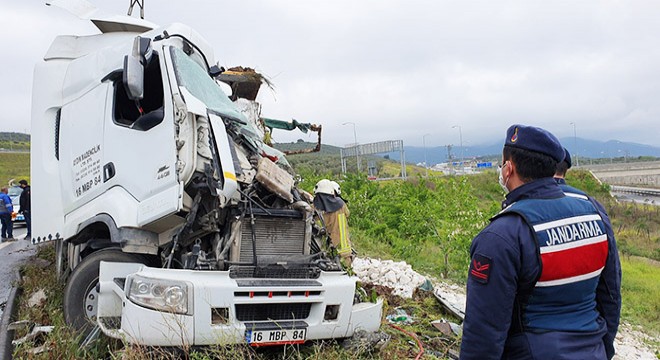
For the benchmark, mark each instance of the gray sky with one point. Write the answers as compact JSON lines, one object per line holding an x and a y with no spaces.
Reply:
{"x":402,"y":69}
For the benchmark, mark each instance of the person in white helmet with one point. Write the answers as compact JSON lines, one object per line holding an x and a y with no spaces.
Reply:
{"x":327,"y":199}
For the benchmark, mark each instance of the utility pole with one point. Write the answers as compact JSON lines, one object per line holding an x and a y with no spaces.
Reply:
{"x":577,"y":157}
{"x":449,"y":156}
{"x":426,"y":164}
{"x":357,"y":148}
{"x":460,"y":139}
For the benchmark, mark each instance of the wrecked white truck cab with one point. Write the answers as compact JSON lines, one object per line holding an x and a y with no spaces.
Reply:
{"x":175,"y":223}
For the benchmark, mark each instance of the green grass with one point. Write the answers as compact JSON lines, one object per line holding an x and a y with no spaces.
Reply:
{"x":641,"y":293}
{"x":636,"y":226}
{"x":14,"y":146}
{"x":14,"y":166}
{"x":63,"y":342}
{"x":418,"y":221}
{"x":14,"y":141}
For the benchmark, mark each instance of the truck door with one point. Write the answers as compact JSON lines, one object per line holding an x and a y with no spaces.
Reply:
{"x":81,"y":147}
{"x":140,"y":150}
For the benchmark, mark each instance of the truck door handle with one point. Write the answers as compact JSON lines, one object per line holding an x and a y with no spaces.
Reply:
{"x":108,"y":171}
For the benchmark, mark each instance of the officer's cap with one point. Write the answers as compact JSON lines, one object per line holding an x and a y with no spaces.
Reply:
{"x":534,"y":139}
{"x":567,"y":158}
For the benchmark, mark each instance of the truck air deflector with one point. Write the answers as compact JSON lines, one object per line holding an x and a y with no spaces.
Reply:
{"x":104,"y":22}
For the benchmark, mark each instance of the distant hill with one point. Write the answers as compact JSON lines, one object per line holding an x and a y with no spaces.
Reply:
{"x":13,"y":141}
{"x":592,"y":149}
{"x":327,"y":162}
{"x":325,"y":149}
{"x":14,"y":136}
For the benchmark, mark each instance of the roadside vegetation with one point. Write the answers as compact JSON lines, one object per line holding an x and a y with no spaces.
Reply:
{"x":11,"y":141}
{"x":14,"y":166}
{"x":427,"y":222}
{"x":63,"y":343}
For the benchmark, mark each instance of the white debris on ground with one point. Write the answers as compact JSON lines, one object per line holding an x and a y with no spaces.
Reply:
{"x":630,"y":342}
{"x":398,"y":276}
{"x":452,"y":295}
{"x":37,"y":298}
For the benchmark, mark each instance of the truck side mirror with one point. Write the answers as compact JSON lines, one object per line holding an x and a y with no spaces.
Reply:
{"x":134,"y":65}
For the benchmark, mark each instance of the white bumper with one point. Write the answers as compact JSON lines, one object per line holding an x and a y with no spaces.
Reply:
{"x":250,"y":304}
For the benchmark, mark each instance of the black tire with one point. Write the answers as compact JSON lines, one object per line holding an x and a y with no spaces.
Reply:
{"x":82,"y":283}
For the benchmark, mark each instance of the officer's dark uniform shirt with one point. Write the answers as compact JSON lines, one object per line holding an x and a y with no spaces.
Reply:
{"x":504,"y":270}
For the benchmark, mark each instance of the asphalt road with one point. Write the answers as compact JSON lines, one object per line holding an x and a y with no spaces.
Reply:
{"x":13,"y":255}
{"x":636,"y":198}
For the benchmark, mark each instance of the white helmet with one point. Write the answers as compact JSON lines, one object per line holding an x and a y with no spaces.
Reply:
{"x":336,"y":187}
{"x":325,"y":186}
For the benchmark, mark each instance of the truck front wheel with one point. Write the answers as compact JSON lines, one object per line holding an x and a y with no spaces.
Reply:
{"x":80,"y":294}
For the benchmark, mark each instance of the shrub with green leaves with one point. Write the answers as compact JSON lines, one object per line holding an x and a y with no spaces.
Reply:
{"x":429,"y":222}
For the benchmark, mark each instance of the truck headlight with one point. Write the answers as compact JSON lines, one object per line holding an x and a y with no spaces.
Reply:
{"x":163,"y":295}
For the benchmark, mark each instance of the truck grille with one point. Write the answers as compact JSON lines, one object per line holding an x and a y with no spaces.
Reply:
{"x":274,"y":272}
{"x":274,"y":236}
{"x":263,"y":312}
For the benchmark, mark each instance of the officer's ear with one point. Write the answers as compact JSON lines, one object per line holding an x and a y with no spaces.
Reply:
{"x":512,"y":168}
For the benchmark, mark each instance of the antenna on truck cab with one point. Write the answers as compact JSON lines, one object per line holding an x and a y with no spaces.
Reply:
{"x":140,"y":3}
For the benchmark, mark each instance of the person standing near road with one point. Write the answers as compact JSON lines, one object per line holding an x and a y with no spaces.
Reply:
{"x":328,"y":200}
{"x":544,"y":279}
{"x":6,"y":208}
{"x":560,"y":175}
{"x":610,"y":310}
{"x":24,"y":202}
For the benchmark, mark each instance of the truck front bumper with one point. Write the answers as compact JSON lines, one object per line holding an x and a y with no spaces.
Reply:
{"x":223,"y":310}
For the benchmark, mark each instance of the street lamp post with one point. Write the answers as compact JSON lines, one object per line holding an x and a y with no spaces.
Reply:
{"x":577,"y":157}
{"x":357,"y":148}
{"x":426,"y":164}
{"x":460,"y":139}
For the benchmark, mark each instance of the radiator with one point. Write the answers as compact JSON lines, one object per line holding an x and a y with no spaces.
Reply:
{"x":275,"y":236}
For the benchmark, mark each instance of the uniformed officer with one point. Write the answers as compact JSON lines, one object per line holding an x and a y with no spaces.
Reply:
{"x":560,"y":175}
{"x":609,"y":310}
{"x":544,"y":280}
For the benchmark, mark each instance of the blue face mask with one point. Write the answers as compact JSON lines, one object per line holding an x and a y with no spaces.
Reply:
{"x":500,"y":178}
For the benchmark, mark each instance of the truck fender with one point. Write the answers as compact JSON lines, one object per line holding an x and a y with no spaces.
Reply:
{"x":105,"y":219}
{"x":131,"y":239}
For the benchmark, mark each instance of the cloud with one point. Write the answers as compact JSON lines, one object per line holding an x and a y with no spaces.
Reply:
{"x":401,"y":69}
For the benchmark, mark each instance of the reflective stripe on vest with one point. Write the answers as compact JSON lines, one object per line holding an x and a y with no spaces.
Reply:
{"x":573,"y":247}
{"x":344,"y":245}
{"x":573,"y":192}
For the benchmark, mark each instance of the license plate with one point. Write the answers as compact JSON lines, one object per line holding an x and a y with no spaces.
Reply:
{"x":276,"y":337}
